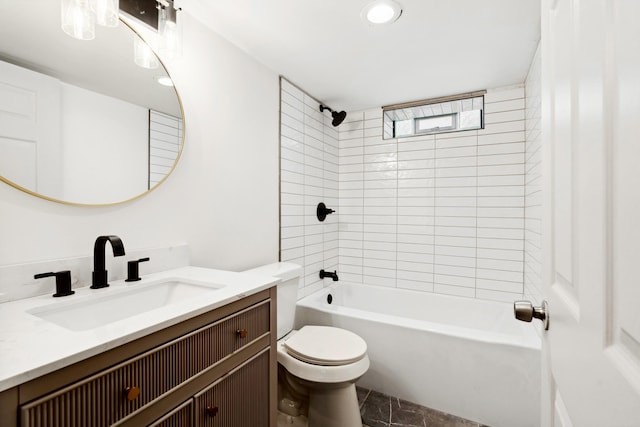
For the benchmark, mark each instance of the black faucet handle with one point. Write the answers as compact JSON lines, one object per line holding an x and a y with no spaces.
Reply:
{"x":63,"y":282}
{"x":133,"y":269}
{"x":322,"y":211}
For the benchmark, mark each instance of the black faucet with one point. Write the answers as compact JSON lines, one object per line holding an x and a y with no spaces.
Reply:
{"x":334,"y":275}
{"x":99,"y":270}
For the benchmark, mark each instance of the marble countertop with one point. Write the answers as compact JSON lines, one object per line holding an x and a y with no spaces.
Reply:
{"x":31,"y":346}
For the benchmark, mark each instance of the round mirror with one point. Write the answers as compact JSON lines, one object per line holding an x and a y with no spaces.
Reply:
{"x":80,"y":122}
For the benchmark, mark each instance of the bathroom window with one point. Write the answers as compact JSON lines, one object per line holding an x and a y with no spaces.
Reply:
{"x":448,"y":114}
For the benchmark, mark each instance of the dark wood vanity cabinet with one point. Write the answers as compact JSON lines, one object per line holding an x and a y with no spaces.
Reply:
{"x":217,"y":369}
{"x":239,"y":399}
{"x":182,"y":416}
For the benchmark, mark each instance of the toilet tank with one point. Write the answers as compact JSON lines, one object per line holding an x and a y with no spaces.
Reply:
{"x":287,"y":290}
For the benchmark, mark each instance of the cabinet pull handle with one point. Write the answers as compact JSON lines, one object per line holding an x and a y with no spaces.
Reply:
{"x":132,"y":393}
{"x":241,"y":333}
{"x":212,"y":411}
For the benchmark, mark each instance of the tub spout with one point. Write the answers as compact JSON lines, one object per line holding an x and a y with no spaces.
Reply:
{"x":334,"y":275}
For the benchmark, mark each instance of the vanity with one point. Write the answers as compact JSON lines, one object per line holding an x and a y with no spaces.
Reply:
{"x":186,"y":347}
{"x":207,"y":358}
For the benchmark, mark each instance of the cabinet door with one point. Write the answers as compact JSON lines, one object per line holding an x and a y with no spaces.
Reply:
{"x":240,"y":398}
{"x":182,"y":416}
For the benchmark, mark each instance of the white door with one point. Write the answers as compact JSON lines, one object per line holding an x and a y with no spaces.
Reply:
{"x":30,"y":143}
{"x":591,"y":222}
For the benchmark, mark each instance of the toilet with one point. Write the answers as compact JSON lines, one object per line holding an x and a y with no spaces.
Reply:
{"x":318,"y":366}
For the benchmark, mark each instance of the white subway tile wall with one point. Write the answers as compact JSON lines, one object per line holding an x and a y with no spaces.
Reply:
{"x":309,"y":171}
{"x":438,"y":213}
{"x":533,"y":184}
{"x":165,"y":137}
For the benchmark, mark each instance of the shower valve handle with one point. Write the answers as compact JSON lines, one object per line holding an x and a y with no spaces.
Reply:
{"x":322,"y":211}
{"x":526,"y":312}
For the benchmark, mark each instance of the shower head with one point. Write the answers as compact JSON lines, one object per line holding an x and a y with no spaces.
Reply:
{"x":338,"y":117}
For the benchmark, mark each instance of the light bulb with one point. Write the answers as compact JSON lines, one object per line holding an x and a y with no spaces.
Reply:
{"x":170,"y":31}
{"x":381,"y":12}
{"x":106,"y":12}
{"x":143,"y":55}
{"x":77,"y":19}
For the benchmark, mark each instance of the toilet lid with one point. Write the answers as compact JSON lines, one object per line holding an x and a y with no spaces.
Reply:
{"x":325,"y":345}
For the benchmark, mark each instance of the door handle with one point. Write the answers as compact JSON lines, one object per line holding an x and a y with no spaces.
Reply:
{"x":525,"y":311}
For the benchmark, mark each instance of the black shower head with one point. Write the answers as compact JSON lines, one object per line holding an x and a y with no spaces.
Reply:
{"x":338,"y":117}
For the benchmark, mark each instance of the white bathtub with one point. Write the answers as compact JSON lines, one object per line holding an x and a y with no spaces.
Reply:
{"x":463,"y":356}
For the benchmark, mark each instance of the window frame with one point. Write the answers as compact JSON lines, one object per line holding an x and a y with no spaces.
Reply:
{"x":452,"y":128}
{"x":410,"y":112}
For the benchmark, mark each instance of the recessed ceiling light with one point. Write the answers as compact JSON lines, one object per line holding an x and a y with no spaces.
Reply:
{"x":165,"y":81}
{"x":381,"y":12}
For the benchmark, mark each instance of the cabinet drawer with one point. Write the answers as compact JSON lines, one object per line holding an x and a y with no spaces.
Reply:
{"x":115,"y":393}
{"x":241,"y":398}
{"x":182,"y":416}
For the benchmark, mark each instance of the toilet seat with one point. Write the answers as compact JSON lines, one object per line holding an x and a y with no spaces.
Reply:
{"x":319,"y":374}
{"x":326,"y":346}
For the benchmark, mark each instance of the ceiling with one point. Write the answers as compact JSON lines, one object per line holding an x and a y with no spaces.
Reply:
{"x":436,"y":48}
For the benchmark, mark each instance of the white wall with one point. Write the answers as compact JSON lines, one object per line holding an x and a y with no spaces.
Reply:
{"x":222,"y":199}
{"x":106,"y":147}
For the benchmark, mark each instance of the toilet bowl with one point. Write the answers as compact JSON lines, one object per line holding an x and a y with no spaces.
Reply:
{"x":318,"y":365}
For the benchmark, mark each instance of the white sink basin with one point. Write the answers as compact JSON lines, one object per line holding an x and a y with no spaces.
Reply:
{"x":112,"y":305}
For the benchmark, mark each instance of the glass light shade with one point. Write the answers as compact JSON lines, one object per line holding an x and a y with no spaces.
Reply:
{"x":170,"y":31}
{"x":77,"y":19}
{"x":143,"y":55}
{"x":106,"y":12}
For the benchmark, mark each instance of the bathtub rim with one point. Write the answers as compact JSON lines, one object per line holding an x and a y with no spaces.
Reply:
{"x":527,"y":338}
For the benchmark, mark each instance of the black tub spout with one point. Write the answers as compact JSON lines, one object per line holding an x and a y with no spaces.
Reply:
{"x":334,"y":275}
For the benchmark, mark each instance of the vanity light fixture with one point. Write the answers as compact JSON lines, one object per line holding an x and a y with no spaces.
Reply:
{"x":107,"y":12}
{"x":381,"y":12}
{"x":79,"y":17}
{"x":143,"y":56}
{"x":169,"y":29}
{"x":78,"y":20}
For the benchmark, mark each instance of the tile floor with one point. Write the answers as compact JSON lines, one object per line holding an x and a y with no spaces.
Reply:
{"x":380,"y":410}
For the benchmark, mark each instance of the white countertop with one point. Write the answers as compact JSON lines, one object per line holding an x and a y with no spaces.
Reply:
{"x":31,"y":347}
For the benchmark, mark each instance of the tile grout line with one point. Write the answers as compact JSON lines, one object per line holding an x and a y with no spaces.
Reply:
{"x":476,"y":226}
{"x":397,"y":202}
{"x":361,"y":145}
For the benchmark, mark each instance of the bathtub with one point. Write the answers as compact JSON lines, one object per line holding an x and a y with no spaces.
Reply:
{"x":466,"y":357}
